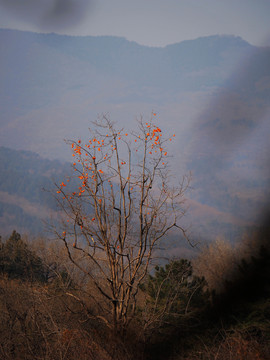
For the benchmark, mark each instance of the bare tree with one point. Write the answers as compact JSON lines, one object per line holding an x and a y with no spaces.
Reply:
{"x":123,"y":206}
{"x":217,"y":262}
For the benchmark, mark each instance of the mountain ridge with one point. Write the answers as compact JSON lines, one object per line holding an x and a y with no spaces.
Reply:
{"x":121,"y":38}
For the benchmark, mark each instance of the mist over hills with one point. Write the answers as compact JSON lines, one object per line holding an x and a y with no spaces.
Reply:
{"x":213,"y":92}
{"x":26,"y":182}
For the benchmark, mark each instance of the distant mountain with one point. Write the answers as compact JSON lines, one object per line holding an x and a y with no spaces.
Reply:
{"x":52,"y":83}
{"x":213,"y":92}
{"x":55,"y":55}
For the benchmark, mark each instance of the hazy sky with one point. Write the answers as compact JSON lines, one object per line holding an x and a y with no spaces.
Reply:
{"x":148,"y":22}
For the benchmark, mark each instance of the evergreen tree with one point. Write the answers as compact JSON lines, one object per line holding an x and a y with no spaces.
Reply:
{"x":18,"y":261}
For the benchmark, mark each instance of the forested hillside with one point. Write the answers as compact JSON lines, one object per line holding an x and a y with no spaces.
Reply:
{"x":25,"y":183}
{"x":213,"y":308}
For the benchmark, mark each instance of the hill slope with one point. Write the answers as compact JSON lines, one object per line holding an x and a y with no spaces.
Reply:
{"x":25,"y":182}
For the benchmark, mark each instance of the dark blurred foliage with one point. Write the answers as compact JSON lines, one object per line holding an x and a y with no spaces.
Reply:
{"x":250,"y":281}
{"x":48,"y":15}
